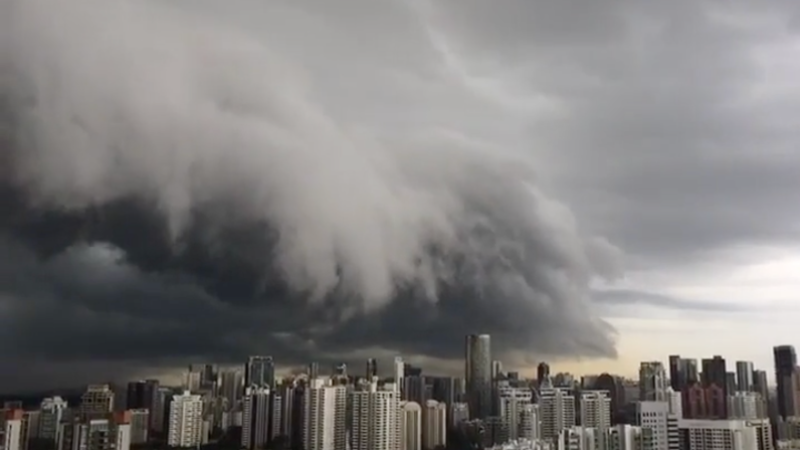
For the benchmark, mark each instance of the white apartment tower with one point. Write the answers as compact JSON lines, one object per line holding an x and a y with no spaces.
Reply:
{"x":726,"y":434}
{"x":512,"y":402}
{"x":324,"y":416}
{"x":186,"y":428}
{"x":530,"y":424}
{"x":596,"y":410}
{"x":410,"y":426}
{"x":747,"y":405}
{"x":376,"y":419}
{"x":628,"y":437}
{"x":11,"y":439}
{"x":557,"y":408}
{"x":434,"y":425}
{"x":663,"y":424}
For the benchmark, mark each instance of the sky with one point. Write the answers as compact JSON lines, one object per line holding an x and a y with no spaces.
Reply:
{"x":593,"y":183}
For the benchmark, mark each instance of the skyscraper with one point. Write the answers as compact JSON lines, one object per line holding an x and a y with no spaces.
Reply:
{"x":410,"y":426}
{"x":677,"y":376}
{"x":652,"y":381}
{"x":260,"y":372}
{"x":376,"y":419}
{"x":372,"y":369}
{"x":478,"y":374}
{"x":186,"y":421}
{"x":255,"y":418}
{"x":744,"y":376}
{"x":542,"y":373}
{"x":324,"y":418}
{"x":785,"y":363}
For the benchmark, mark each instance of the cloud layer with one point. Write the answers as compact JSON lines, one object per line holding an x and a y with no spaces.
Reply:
{"x":179,"y":188}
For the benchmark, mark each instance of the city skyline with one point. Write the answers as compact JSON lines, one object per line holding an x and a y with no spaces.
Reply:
{"x":591,"y":186}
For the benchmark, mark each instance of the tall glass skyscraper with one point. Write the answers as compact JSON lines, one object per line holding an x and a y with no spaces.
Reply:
{"x":478,"y":375}
{"x":260,"y":372}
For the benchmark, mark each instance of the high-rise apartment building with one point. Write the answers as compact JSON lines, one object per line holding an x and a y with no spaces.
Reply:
{"x":512,"y":402}
{"x":663,"y":423}
{"x":410,"y":426}
{"x":255,"y":418}
{"x":478,"y":375}
{"x":786,"y":380}
{"x":376,"y":419}
{"x":459,"y":412}
{"x":726,"y":435}
{"x":324,"y":416}
{"x":652,"y":381}
{"x":185,"y":426}
{"x":747,"y":406}
{"x":11,"y":423}
{"x":595,"y":409}
{"x":557,"y":409}
{"x":434,"y":425}
{"x":97,"y":401}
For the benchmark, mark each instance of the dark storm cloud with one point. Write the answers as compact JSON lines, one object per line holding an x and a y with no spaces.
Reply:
{"x":675,"y":133}
{"x":180,"y":187}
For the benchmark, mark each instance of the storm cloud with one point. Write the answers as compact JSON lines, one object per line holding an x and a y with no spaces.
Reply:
{"x":177,"y":186}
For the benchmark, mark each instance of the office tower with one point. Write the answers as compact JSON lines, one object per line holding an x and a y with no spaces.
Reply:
{"x":255,"y":417}
{"x":434,"y":425}
{"x":726,"y":435}
{"x":324,"y":416}
{"x":512,"y":401}
{"x":11,"y":424}
{"x":97,"y":401}
{"x":144,"y":395}
{"x":413,"y":389}
{"x":185,"y":426}
{"x":399,"y":373}
{"x":595,"y":409}
{"x":193,"y":378}
{"x":676,"y":373}
{"x":660,"y":419}
{"x":410,"y":426}
{"x":542,"y":373}
{"x":297,"y":418}
{"x":557,"y":409}
{"x":715,"y":372}
{"x":372,"y":369}
{"x":760,"y":383}
{"x":785,"y":380}
{"x":376,"y":419}
{"x":232,"y":382}
{"x":312,"y":370}
{"x":478,"y":374}
{"x":690,"y":373}
{"x":652,"y":381}
{"x":744,"y":376}
{"x":497,"y":370}
{"x":459,"y":412}
{"x":260,"y":372}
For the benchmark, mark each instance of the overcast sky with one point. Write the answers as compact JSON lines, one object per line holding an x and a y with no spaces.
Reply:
{"x":640,"y":155}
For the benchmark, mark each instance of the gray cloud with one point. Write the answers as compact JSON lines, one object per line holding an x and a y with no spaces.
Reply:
{"x":621,"y":299}
{"x":182,"y":186}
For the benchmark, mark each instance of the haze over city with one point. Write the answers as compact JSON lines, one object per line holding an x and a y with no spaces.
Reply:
{"x":593,"y":184}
